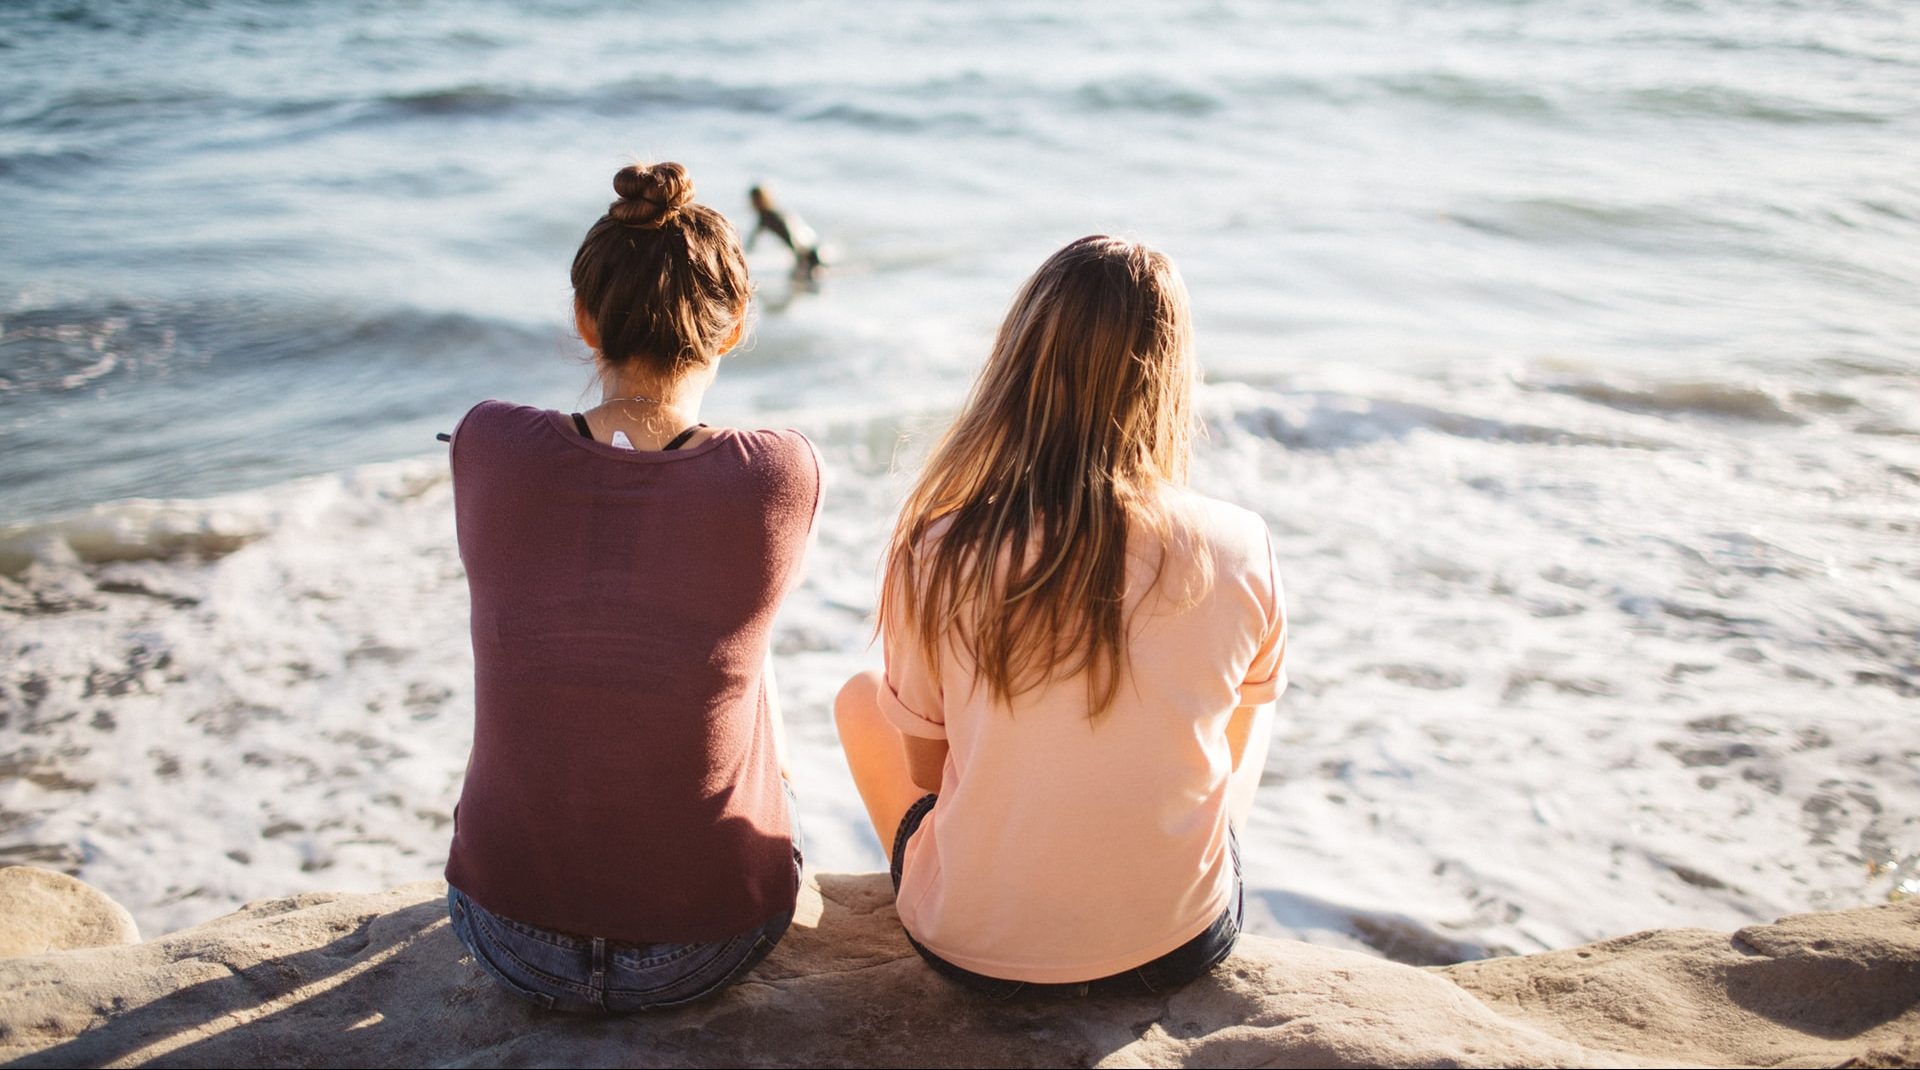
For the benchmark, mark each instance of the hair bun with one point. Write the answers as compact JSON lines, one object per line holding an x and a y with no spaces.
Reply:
{"x":650,"y":196}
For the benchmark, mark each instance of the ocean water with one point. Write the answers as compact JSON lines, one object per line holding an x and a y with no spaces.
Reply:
{"x":1570,"y":350}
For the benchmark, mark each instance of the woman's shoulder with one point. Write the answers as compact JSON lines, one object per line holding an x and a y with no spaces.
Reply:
{"x":771,"y":438}
{"x":492,"y":431}
{"x":781,"y":465}
{"x":494,"y":414}
{"x":1228,"y":530}
{"x":1236,"y":543}
{"x":784,"y":447}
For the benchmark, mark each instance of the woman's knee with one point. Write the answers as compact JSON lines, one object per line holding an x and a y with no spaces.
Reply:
{"x":858,"y":702}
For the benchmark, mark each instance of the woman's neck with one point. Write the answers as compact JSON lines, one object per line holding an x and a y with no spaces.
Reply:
{"x":649,"y":409}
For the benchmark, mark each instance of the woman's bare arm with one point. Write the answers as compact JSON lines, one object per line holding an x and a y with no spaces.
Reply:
{"x":925,"y":759}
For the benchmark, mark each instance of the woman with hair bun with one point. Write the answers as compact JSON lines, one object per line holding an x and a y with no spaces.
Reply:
{"x":1081,"y":657}
{"x":625,"y":836}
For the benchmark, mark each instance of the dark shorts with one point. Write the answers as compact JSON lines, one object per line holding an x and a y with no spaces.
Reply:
{"x":1175,"y":968}
{"x":566,"y":972}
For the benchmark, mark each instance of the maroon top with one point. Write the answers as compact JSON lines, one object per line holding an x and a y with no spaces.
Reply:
{"x":623,"y":782}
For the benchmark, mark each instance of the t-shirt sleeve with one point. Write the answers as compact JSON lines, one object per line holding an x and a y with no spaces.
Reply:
{"x":819,"y":472}
{"x":802,"y":477}
{"x":908,"y":696}
{"x":453,"y":439}
{"x":1267,"y":676}
{"x":468,"y":443}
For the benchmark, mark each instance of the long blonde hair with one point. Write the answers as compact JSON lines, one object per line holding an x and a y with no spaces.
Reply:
{"x":1082,"y":412}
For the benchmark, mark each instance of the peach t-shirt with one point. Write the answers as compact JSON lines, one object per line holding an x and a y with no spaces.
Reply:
{"x":1063,"y":849}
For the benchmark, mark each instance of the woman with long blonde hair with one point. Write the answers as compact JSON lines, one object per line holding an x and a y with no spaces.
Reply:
{"x":1081,"y":656}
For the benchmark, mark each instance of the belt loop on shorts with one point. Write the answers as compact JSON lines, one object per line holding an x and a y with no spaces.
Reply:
{"x":599,"y":981}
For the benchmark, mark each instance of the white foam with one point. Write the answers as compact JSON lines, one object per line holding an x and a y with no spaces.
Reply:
{"x":1547,"y":687}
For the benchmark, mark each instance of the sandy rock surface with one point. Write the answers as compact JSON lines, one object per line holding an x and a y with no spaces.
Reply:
{"x":379,"y":979}
{"x":42,"y":910}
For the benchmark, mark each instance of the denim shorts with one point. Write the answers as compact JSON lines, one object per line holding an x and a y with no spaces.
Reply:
{"x":588,"y":974}
{"x":1185,"y":963}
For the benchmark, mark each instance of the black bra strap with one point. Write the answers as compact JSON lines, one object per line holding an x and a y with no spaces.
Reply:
{"x":680,"y":439}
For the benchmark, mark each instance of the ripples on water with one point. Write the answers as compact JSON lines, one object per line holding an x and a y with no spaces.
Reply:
{"x":1666,"y":188}
{"x":1568,"y":348}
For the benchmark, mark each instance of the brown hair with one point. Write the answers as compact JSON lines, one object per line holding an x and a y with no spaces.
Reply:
{"x":1080,"y":414}
{"x":663,"y":279}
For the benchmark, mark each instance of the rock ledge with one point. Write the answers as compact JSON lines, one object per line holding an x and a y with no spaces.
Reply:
{"x":331,"y":979}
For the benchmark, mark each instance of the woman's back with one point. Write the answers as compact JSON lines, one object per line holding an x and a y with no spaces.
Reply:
{"x":622,"y":602}
{"x":1079,"y":655}
{"x":624,"y":838}
{"x":1066,"y":846}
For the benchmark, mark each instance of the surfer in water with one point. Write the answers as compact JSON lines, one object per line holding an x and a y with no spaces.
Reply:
{"x":788,"y":228}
